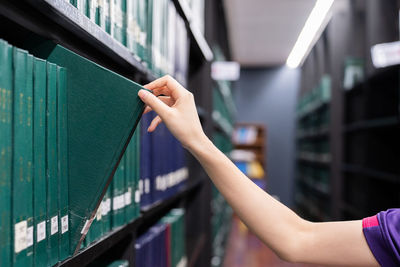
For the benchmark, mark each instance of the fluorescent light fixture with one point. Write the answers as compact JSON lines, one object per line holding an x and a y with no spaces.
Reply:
{"x":308,"y":33}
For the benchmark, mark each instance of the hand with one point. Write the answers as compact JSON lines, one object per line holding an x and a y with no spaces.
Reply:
{"x":176,"y":108}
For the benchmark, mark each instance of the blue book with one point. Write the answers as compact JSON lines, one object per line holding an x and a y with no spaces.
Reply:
{"x":145,"y":160}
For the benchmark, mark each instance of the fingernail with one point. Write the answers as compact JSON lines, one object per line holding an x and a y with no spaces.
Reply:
{"x":142,"y":93}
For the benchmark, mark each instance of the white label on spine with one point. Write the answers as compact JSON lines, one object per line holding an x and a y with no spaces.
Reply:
{"x":147,"y":186}
{"x":54,"y":225}
{"x":99,"y":212}
{"x":29,"y":236}
{"x":137,"y":196}
{"x":41,"y":231}
{"x":64,"y":224}
{"x":20,"y":236}
{"x":128,"y":197}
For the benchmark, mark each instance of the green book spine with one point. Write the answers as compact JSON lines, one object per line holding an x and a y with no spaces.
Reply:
{"x":118,"y":201}
{"x":51,"y":165}
{"x":62,"y":150}
{"x":105,"y":212}
{"x":131,"y":25}
{"x":22,"y":159}
{"x":6,"y":85}
{"x":129,"y":183}
{"x":149,"y":31}
{"x":73,"y":2}
{"x":142,"y":28}
{"x":91,"y":10}
{"x":39,"y":161}
{"x":118,"y":19}
{"x":99,"y":16}
{"x":107,"y":16}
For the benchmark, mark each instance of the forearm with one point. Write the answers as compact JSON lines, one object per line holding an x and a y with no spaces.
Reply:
{"x":273,"y":222}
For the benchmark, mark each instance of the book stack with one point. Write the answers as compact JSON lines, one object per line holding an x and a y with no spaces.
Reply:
{"x":163,"y":168}
{"x":53,"y":180}
{"x":151,"y":30}
{"x":34,"y":228}
{"x":164,"y":243}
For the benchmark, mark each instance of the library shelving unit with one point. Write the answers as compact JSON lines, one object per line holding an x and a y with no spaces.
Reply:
{"x":363,"y":175}
{"x":59,"y":21}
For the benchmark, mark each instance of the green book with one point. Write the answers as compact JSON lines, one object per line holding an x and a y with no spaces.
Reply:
{"x":22,"y":206}
{"x":118,"y":20}
{"x":6,"y":91}
{"x":91,"y":9}
{"x":106,"y":212}
{"x":62,"y":156}
{"x":51,"y":166}
{"x":148,"y":51}
{"x":130,"y":213}
{"x":107,"y":15}
{"x":118,"y":198}
{"x":103,"y":111}
{"x":131,"y":26}
{"x":99,"y":13}
{"x":73,"y":2}
{"x":39,"y":161}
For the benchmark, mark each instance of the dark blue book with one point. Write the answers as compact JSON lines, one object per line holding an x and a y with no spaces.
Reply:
{"x":145,"y":160}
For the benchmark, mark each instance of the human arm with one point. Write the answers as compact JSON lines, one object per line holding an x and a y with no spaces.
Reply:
{"x":292,"y":238}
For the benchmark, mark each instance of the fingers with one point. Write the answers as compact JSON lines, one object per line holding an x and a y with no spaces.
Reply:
{"x":175,"y":89}
{"x":166,"y":99}
{"x":154,"y":123}
{"x":153,"y":102}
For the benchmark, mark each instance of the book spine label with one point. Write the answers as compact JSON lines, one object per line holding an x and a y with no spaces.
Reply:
{"x":62,"y":161}
{"x":39,"y":159}
{"x":22,"y":159}
{"x":51,"y":166}
{"x":6,"y":91}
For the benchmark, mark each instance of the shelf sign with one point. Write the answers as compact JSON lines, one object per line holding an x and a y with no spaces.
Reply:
{"x":386,"y":54}
{"x":225,"y":70}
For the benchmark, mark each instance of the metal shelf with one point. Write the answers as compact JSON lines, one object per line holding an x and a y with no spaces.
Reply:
{"x":157,"y":210}
{"x":390,"y":177}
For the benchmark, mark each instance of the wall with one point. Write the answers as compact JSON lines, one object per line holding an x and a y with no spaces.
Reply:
{"x":269,"y":96}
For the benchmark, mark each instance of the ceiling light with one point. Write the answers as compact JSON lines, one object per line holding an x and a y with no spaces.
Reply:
{"x":308,"y":33}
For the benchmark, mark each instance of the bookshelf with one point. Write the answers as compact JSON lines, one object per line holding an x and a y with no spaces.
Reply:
{"x":361,"y":173}
{"x":60,"y":22}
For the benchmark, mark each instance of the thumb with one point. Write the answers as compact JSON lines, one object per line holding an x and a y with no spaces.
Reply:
{"x":152,"y":101}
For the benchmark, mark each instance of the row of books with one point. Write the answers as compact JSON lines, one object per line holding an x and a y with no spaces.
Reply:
{"x":163,"y":245}
{"x":121,"y":203}
{"x":34,"y":226}
{"x":316,"y":97}
{"x":163,"y":169}
{"x":152,"y":30}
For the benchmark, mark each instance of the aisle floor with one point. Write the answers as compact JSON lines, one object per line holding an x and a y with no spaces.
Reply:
{"x":244,"y":249}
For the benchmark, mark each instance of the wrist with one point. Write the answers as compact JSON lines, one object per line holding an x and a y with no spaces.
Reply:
{"x":198,"y":144}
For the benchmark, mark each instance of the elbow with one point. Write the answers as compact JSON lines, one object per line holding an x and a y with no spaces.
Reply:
{"x":298,"y":244}
{"x":290,"y":253}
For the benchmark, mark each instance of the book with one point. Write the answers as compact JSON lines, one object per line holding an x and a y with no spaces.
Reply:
{"x":118,"y":195}
{"x":146,"y":167}
{"x":51,"y":166}
{"x":6,"y":109}
{"x":107,"y":16}
{"x":22,"y":207}
{"x":103,"y":111}
{"x":62,"y":157}
{"x":118,"y":20}
{"x":39,"y":161}
{"x":130,"y":213}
